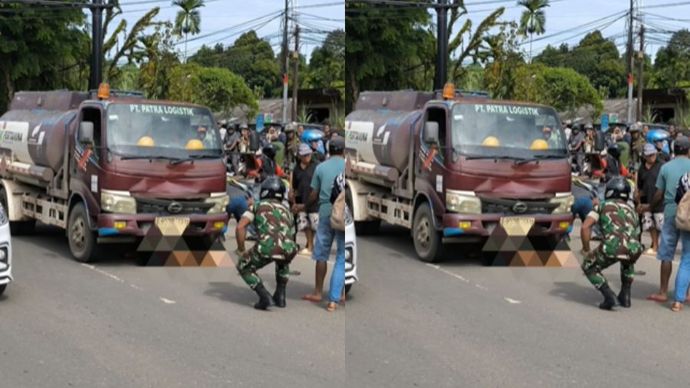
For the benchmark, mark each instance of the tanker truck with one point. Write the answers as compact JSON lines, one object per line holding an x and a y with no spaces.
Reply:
{"x":453,"y":166}
{"x":110,"y":167}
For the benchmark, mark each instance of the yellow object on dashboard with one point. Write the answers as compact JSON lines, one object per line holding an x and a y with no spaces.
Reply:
{"x":491,"y":141}
{"x":539,"y":144}
{"x":145,"y":141}
{"x":195,"y":144}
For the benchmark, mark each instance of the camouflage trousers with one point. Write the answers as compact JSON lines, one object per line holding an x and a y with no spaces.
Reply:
{"x":252,"y":261}
{"x":597,"y":261}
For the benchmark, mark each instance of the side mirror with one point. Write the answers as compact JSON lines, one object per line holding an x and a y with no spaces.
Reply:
{"x":431,"y":132}
{"x":86,"y":132}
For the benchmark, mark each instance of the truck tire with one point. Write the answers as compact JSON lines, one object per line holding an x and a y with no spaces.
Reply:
{"x":82,"y":241}
{"x":427,"y":241}
{"x":17,"y":228}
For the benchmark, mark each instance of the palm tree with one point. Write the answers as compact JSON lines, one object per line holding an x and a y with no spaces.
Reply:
{"x":188,"y":20}
{"x":533,"y":20}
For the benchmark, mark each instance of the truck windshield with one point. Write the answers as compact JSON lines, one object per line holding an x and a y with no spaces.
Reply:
{"x":161,"y":130}
{"x":513,"y":131}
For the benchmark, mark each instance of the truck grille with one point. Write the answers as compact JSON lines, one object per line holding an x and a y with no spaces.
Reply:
{"x":516,"y":206}
{"x":171,"y":206}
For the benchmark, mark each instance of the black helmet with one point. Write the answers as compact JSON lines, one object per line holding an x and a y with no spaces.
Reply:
{"x":613,"y":150}
{"x":617,"y":188}
{"x":336,"y":145}
{"x":269,"y":150}
{"x":272,"y":188}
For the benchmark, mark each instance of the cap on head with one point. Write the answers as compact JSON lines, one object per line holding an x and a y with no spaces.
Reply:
{"x":304,"y":150}
{"x":589,"y":126}
{"x":336,"y":145}
{"x":649,"y":150}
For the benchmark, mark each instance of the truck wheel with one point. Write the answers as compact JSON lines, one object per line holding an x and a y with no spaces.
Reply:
{"x":17,"y":228}
{"x":2,"y":288}
{"x":427,"y":241}
{"x":82,"y":241}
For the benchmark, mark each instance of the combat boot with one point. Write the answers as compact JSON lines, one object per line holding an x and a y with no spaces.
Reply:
{"x":624,"y":295}
{"x":264,"y":297}
{"x":609,"y":297}
{"x":279,"y":295}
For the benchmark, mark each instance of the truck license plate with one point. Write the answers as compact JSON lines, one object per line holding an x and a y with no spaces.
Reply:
{"x":172,"y":226}
{"x":517,"y":226}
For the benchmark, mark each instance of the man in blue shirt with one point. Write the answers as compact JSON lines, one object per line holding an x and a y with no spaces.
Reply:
{"x":666,"y":184}
{"x":321,"y":187}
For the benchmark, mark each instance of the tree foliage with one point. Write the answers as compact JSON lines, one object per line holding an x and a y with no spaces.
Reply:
{"x":562,"y":88}
{"x":327,"y":63}
{"x":672,"y":64}
{"x":214,"y":87}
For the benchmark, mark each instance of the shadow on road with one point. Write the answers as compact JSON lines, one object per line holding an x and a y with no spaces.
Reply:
{"x":588,"y":295}
{"x":242,"y":295}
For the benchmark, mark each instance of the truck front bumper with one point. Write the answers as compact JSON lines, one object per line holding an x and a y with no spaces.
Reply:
{"x":458,"y":225}
{"x":139,"y":225}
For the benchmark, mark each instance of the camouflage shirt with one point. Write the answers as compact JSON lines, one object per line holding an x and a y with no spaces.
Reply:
{"x":621,"y":230}
{"x":275,"y":227}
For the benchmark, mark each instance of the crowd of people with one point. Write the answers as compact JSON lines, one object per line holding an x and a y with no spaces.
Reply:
{"x":640,"y":181}
{"x":299,"y":178}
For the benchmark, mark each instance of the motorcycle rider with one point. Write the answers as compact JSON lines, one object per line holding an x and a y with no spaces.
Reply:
{"x":620,"y":242}
{"x":275,"y":242}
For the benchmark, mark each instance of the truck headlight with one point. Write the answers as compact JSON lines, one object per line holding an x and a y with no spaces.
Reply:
{"x":220,"y":202}
{"x":565,"y":202}
{"x":118,"y":202}
{"x":463,"y":202}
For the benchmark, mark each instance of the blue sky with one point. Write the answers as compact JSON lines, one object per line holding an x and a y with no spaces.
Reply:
{"x":564,"y":15}
{"x":221,"y":15}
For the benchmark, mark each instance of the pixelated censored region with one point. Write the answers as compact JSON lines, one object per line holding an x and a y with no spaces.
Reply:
{"x":516,"y":248}
{"x":169,"y":250}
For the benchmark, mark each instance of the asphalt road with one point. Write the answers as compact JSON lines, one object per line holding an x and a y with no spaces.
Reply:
{"x":458,"y":324}
{"x":115,"y":324}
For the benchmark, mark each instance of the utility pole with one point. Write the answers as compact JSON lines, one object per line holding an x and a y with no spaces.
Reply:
{"x":96,"y":44}
{"x":286,"y":59}
{"x":441,"y":44}
{"x":640,"y":84}
{"x":295,"y":78}
{"x":630,"y":62}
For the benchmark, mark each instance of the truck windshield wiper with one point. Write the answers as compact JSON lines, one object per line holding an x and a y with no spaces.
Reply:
{"x":537,"y":158}
{"x":494,"y":157}
{"x":149,"y":157}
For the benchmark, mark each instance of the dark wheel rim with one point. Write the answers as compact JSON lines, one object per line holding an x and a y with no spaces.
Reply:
{"x":422,"y":234}
{"x":78,"y":235}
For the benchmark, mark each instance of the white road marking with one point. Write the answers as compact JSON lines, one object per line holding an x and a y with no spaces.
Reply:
{"x":167,"y":301}
{"x":445,"y":271}
{"x":512,"y":301}
{"x":136,"y":287}
{"x":102,"y":272}
{"x":481,"y":287}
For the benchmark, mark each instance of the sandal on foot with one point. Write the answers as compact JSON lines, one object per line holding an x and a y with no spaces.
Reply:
{"x":676,"y":307}
{"x":331,"y":307}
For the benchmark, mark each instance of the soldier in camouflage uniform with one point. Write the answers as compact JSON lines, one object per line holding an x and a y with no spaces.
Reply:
{"x":620,"y":226}
{"x":275,"y":242}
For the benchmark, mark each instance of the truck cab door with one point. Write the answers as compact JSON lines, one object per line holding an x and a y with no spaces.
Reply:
{"x":434,"y":151}
{"x":88,"y":146}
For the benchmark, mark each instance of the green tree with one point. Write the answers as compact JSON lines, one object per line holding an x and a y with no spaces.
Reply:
{"x":327,"y":64}
{"x":155,"y":55}
{"x":216,"y":88}
{"x":188,"y":19}
{"x":562,"y":88}
{"x":385,"y":47}
{"x":254,"y":60}
{"x":672,"y":64}
{"x":39,"y":52}
{"x":209,"y":56}
{"x":533,"y":19}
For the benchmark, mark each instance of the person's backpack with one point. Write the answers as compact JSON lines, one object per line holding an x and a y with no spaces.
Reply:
{"x":683,"y":213}
{"x":338,"y":213}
